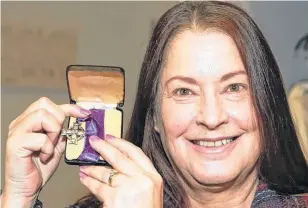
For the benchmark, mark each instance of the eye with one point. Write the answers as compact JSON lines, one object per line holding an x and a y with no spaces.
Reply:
{"x":235,"y":88}
{"x":182,"y":91}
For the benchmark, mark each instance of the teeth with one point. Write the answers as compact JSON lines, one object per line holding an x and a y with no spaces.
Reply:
{"x":210,"y":144}
{"x":218,"y":143}
{"x":214,"y":144}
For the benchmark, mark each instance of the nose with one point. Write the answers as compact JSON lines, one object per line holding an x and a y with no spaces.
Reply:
{"x":212,"y":112}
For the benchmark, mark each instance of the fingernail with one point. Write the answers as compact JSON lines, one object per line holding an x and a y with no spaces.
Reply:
{"x":82,"y":175}
{"x":93,"y":138}
{"x":108,"y":136}
{"x":85,"y":112}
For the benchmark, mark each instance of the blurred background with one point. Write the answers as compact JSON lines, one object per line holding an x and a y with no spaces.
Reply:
{"x":39,"y":39}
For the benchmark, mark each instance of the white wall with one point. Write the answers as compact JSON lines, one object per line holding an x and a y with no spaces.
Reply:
{"x":283,"y":24}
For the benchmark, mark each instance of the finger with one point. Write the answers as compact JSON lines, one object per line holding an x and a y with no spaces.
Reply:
{"x":74,"y":110}
{"x":30,"y":143}
{"x":39,"y":121}
{"x":44,"y":103}
{"x":60,"y":112}
{"x":102,"y":174}
{"x":102,"y":191}
{"x":133,"y":152}
{"x":114,"y":157}
{"x":60,"y":146}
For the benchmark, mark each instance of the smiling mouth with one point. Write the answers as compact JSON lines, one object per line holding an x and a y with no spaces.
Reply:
{"x":216,"y":143}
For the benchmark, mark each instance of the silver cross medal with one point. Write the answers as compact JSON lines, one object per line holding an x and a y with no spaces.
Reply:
{"x":74,"y":134}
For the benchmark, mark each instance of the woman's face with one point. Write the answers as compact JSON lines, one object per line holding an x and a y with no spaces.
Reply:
{"x":206,"y":110}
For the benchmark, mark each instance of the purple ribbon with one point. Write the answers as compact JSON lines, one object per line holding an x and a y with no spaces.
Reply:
{"x":94,"y":127}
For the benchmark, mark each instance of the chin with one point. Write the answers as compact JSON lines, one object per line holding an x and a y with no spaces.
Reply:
{"x":215,"y":174}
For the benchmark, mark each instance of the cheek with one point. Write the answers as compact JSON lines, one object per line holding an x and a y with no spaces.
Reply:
{"x":177,"y":118}
{"x":242,"y":115}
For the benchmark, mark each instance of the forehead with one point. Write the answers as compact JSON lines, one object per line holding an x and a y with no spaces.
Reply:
{"x":210,"y":53}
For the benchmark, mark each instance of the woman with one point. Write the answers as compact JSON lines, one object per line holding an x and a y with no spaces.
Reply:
{"x":298,"y":100}
{"x":211,"y":118}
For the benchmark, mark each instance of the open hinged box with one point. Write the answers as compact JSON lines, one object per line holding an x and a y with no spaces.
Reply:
{"x":99,"y":89}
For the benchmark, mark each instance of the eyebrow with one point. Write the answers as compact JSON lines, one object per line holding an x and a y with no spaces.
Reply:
{"x":184,"y":79}
{"x":232,"y":74}
{"x":193,"y":81}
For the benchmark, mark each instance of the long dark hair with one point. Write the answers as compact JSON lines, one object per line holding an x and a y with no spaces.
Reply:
{"x":282,"y":164}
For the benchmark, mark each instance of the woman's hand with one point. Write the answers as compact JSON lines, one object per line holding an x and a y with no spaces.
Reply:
{"x":137,"y":184}
{"x":34,"y":150}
